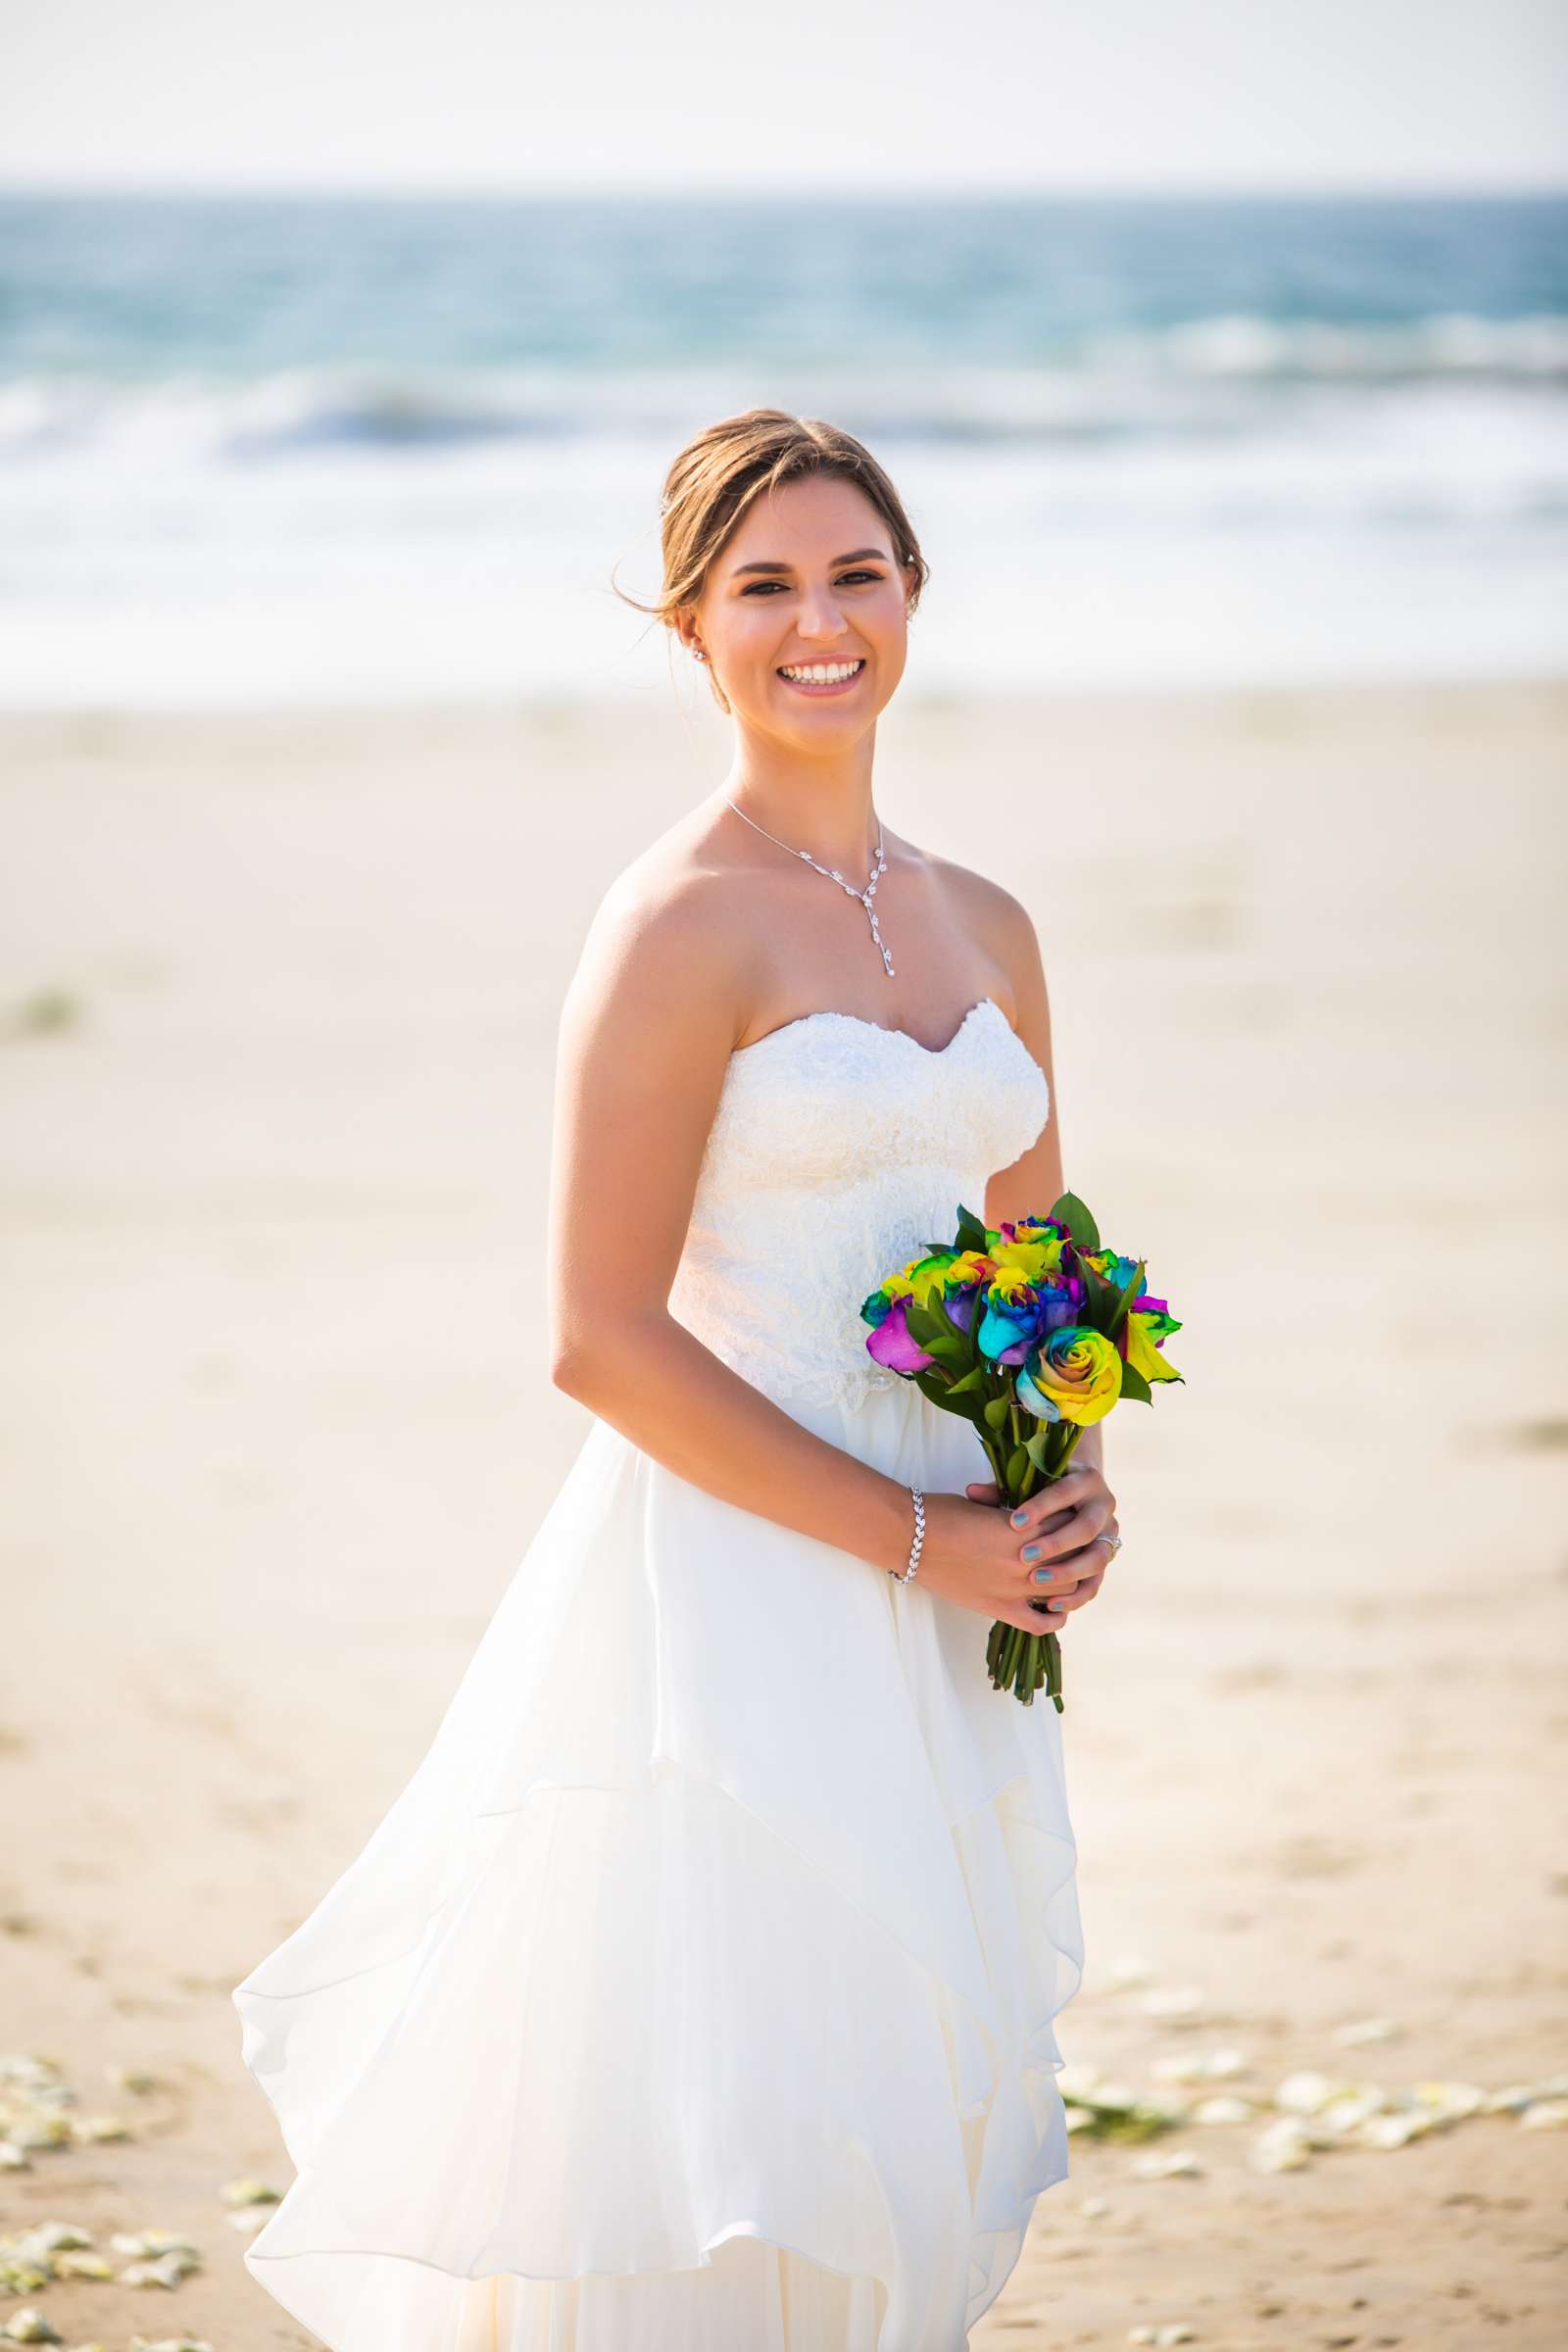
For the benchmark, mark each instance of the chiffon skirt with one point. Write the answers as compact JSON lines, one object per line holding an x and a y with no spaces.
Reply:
{"x":697,"y":1993}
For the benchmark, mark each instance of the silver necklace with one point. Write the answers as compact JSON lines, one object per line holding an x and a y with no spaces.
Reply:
{"x":866,"y":896}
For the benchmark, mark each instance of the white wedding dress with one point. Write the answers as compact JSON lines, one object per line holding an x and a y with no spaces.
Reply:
{"x":696,"y":1992}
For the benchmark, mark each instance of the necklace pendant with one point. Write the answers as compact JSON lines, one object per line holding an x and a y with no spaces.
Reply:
{"x":833,"y":874}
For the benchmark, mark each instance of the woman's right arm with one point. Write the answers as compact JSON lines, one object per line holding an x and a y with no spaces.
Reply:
{"x":647,"y":1031}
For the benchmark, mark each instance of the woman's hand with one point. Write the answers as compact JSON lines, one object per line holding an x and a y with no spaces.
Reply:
{"x":1066,"y":1520}
{"x":973,"y":1554}
{"x":979,"y":1561}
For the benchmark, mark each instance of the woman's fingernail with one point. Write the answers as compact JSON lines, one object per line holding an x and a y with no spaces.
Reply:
{"x":1031,"y":1551}
{"x":1020,"y":1518}
{"x":1043,"y":1575}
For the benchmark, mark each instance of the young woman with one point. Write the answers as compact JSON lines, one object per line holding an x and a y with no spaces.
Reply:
{"x":697,"y":1993}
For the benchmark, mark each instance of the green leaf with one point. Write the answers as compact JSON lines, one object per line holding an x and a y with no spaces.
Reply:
{"x":1038,"y":1449}
{"x":940,"y":1394}
{"x":1073,"y":1212}
{"x":971,"y":1380}
{"x":997,"y":1411}
{"x":945,"y":1350}
{"x":971,"y":1233}
{"x":921,"y":1323}
{"x":1099,"y":1298}
{"x":1124,"y":1299}
{"x":1018,"y":1468}
{"x":1133,"y":1385}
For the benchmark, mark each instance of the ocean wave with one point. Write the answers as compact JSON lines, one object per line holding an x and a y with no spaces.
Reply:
{"x":1205,"y":378}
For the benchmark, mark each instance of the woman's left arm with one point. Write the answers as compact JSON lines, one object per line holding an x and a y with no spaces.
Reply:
{"x":1068,"y":1519}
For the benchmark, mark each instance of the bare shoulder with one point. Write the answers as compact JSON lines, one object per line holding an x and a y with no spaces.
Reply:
{"x":664,"y":948}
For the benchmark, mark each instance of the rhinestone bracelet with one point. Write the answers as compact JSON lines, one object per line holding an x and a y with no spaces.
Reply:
{"x":919,"y":1539}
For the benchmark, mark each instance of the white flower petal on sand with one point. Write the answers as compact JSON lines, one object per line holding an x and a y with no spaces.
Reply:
{"x":1350,"y":2108}
{"x":1225,"y":2110}
{"x":1093,"y":2209}
{"x":1200,"y":2066}
{"x":29,"y":2072}
{"x":39,"y":2128}
{"x":168,"y":2271}
{"x":1284,"y":2146}
{"x":1106,"y":2098}
{"x":1093,"y":2089}
{"x":249,"y":2219}
{"x":13,"y":2159}
{"x":1367,"y":2029}
{"x":1545,"y":2115}
{"x":1166,"y":2166}
{"x":1173,"y":2001}
{"x":87,"y":2129}
{"x":1513,"y":2098}
{"x":1450,"y":2101}
{"x":29,"y":2325}
{"x":82,"y":2266}
{"x":1306,"y":2093}
{"x":248,"y":2191}
{"x":1394,"y":2131}
{"x":50,"y":2237}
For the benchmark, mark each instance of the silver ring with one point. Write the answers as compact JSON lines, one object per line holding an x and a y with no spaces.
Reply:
{"x":1113,"y":1541}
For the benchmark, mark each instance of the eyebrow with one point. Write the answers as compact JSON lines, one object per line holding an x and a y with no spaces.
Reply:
{"x":855,"y":556}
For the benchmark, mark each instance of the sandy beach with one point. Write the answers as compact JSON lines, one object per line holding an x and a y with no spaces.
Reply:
{"x":277,"y":1014}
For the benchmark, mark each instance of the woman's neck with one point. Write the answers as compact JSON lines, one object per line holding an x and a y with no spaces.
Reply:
{"x":828,"y":811}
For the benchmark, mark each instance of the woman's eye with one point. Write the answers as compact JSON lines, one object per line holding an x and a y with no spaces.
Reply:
{"x":757,"y":585}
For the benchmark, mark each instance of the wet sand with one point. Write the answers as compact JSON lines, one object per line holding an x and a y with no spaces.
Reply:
{"x":277,"y":1014}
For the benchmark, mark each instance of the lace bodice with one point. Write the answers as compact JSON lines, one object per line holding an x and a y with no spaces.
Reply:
{"x":838,"y":1149}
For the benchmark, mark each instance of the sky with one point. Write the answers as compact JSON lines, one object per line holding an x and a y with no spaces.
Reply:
{"x":861,"y":96}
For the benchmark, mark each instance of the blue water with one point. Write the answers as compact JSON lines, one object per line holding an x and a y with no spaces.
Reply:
{"x":272,"y":450}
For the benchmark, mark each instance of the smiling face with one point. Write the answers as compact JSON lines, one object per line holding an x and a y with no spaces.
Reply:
{"x":804,"y":615}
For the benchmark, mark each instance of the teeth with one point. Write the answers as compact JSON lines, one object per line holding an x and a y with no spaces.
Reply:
{"x":822,"y":673}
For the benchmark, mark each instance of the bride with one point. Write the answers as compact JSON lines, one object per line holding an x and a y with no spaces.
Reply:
{"x":697,"y":1993}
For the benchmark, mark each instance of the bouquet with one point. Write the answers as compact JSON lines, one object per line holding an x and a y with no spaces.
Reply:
{"x":1031,"y":1331}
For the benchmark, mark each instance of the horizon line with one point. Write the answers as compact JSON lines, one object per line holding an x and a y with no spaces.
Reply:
{"x":643,"y":191}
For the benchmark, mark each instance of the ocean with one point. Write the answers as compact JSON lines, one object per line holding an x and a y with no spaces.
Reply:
{"x":271,"y":452}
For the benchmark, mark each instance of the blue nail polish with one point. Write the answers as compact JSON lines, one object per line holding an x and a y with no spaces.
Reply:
{"x":1031,"y":1551}
{"x":1020,"y":1518}
{"x":1043,"y":1575}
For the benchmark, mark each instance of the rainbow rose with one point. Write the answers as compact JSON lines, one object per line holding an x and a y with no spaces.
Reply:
{"x":950,"y":1276}
{"x":1148,"y":1325}
{"x":1076,"y":1376}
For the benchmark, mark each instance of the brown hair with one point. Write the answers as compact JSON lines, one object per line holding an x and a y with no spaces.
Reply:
{"x":719,"y":476}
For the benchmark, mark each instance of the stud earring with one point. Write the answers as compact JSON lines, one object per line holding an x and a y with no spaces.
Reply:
{"x":698,"y":654}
